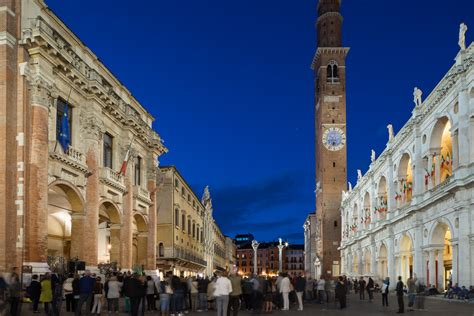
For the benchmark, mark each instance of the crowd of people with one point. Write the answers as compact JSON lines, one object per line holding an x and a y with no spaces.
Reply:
{"x":226,"y":293}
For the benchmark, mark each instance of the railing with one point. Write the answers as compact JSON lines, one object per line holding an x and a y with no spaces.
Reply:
{"x":184,"y":254}
{"x":111,"y":176}
{"x":141,"y":192}
{"x":75,"y":155}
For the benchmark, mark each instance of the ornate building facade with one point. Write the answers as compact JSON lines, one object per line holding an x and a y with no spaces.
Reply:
{"x":189,"y":241}
{"x":330,"y":122}
{"x":67,"y":125}
{"x":412,"y":212}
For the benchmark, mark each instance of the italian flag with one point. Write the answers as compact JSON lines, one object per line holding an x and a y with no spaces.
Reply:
{"x":123,"y":169}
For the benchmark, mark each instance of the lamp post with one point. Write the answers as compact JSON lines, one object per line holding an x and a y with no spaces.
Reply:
{"x":255,"y":245}
{"x":280,"y":254}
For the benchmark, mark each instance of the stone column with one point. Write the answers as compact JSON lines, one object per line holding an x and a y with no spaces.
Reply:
{"x":440,"y":284}
{"x":142,"y":240}
{"x":37,"y":202}
{"x":360,"y":264}
{"x":437,"y":168}
{"x":373,"y":260}
{"x":91,"y":134}
{"x":114,"y":251}
{"x":152,"y":213}
{"x":390,"y":190}
{"x":465,"y":247}
{"x":430,"y":167}
{"x":418,"y":171}
{"x":126,"y":238}
{"x":432,"y":267}
{"x":77,"y":235}
{"x":455,"y":159}
{"x":390,"y":262}
{"x":454,"y":274}
{"x":417,"y":251}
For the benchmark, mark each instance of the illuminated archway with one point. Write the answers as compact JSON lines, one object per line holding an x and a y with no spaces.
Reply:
{"x":382,"y":262}
{"x":442,"y":147}
{"x":405,"y":180}
{"x":441,"y":236}
{"x":140,"y":240}
{"x":382,"y":207}
{"x":108,"y":237}
{"x":406,"y":257}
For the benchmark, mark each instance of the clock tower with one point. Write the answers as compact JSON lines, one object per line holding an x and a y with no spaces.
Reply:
{"x":330,"y":121}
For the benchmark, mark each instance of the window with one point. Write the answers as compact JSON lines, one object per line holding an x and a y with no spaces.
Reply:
{"x":332,"y":72}
{"x":176,"y":217}
{"x":194,"y":230}
{"x":182,"y":192}
{"x":60,"y":107}
{"x":138,"y":170}
{"x":108,"y":146}
{"x":161,"y":250}
{"x":335,"y":223}
{"x":189,"y":227}
{"x":183,"y":222}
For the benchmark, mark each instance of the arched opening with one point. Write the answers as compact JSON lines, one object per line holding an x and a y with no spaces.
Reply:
{"x":381,"y":200}
{"x":65,"y":225}
{"x":441,"y":236}
{"x":161,"y":250}
{"x":108,"y":237}
{"x":405,"y":181}
{"x":366,"y":216}
{"x":442,"y":149}
{"x":382,"y":262}
{"x":140,"y":240}
{"x":406,"y":257}
{"x":332,"y":72}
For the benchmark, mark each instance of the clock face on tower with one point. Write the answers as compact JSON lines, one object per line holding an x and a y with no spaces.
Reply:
{"x":334,"y":139}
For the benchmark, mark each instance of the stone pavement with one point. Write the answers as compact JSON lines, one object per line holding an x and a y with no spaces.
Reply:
{"x":355,"y":307}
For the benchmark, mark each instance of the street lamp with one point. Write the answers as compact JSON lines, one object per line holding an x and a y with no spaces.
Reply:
{"x":280,"y":250}
{"x":255,"y":245}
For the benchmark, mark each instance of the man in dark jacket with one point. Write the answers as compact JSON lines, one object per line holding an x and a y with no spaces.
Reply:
{"x":300,"y":285}
{"x":86,"y":288}
{"x":134,"y":289}
{"x":362,"y":288}
{"x":202,"y":293}
{"x":34,"y":291}
{"x":399,"y":290}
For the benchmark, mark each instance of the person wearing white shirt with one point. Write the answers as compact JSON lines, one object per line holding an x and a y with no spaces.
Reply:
{"x":223,"y":288}
{"x":285,"y":289}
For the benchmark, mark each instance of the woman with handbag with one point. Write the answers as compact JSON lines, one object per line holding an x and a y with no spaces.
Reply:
{"x":385,"y":286}
{"x":98,"y":294}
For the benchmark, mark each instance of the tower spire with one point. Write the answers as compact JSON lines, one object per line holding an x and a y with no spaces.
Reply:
{"x":329,"y":23}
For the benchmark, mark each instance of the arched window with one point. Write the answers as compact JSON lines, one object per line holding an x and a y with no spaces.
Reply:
{"x":332,"y":72}
{"x":176,"y":217}
{"x":161,"y":250}
{"x":189,"y":226}
{"x":183,"y":222}
{"x":194,"y":230}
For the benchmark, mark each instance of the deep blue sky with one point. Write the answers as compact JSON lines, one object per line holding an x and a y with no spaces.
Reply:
{"x":232,"y":92}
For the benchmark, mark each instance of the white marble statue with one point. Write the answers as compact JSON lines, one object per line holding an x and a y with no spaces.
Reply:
{"x":390,"y":132}
{"x":372,"y":156}
{"x":350,"y":186}
{"x":462,"y":36}
{"x":417,"y":93}
{"x":359,"y":174}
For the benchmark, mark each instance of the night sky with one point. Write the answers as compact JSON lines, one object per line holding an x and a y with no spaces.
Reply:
{"x":230,"y":86}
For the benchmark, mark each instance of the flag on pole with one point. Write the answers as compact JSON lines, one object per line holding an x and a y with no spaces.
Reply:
{"x":123,"y":169}
{"x":65,"y":131}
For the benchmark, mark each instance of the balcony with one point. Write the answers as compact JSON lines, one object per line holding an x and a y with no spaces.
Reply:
{"x":182,"y":254}
{"x":141,"y":194}
{"x":72,"y":157}
{"x":112,"y":178}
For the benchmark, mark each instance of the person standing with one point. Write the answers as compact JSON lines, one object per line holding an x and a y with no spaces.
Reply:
{"x":223,"y":288}
{"x":46,"y":296}
{"x":34,"y":290}
{"x":133,"y":289}
{"x":399,"y":290}
{"x":341,"y":292}
{"x":362,"y":288}
{"x":308,"y":295}
{"x":68,"y":295}
{"x":285,"y":289}
{"x":320,"y":286}
{"x":98,"y":294}
{"x":300,"y":286}
{"x":234,"y":298}
{"x":370,"y":289}
{"x":420,"y":294}
{"x":15,"y":294}
{"x":384,"y":289}
{"x":150,"y":294}
{"x":113,"y":294}
{"x":86,"y":289}
{"x":411,"y":290}
{"x":268,"y":295}
{"x":202,"y":293}
{"x":194,"y":294}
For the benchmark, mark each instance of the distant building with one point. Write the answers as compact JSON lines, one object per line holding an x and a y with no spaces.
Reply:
{"x":243,"y":240}
{"x":267,"y":259}
{"x":294,"y":260}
